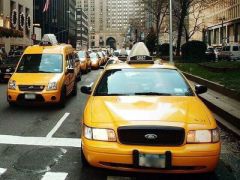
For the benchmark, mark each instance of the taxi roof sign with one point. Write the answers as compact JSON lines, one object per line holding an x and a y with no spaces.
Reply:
{"x":49,"y":39}
{"x":140,"y":55}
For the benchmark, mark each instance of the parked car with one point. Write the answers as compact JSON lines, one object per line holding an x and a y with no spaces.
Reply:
{"x":230,"y":52}
{"x":7,"y":67}
{"x":210,"y":54}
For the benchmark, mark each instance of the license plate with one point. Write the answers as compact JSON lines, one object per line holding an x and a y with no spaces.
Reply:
{"x":152,"y":160}
{"x":7,"y":76}
{"x":30,"y":96}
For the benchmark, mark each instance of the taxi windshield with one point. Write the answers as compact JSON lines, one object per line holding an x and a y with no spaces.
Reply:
{"x":41,"y":63}
{"x":152,"y":82}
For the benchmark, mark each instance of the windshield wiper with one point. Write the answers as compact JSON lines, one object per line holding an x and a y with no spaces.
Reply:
{"x":153,"y":94}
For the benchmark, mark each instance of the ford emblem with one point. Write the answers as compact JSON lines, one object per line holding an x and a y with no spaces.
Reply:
{"x":151,"y":136}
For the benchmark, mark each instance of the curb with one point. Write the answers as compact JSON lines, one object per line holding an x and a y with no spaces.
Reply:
{"x":235,"y":121}
{"x":214,"y":86}
{"x":222,"y":113}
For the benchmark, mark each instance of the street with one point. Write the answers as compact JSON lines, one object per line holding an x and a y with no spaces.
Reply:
{"x":43,"y":142}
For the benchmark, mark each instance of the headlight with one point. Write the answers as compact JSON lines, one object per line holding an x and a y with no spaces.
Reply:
{"x":12,"y":85}
{"x":8,"y":70}
{"x":99,"y":134}
{"x":203,"y":136}
{"x":52,"y":86}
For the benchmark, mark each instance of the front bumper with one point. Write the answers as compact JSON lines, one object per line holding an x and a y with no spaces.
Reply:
{"x":41,"y":97}
{"x":191,"y":158}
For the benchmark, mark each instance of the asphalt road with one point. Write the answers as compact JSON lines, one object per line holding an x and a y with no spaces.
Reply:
{"x":43,"y":143}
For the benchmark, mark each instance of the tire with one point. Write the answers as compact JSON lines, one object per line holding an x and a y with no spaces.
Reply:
{"x":84,"y":160}
{"x":79,"y":76}
{"x":12,"y":104}
{"x":63,"y":98}
{"x":75,"y":90}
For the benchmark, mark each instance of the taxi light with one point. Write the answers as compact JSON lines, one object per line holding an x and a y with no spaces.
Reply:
{"x":52,"y":86}
{"x":99,"y":134}
{"x":12,"y":85}
{"x":203,"y":136}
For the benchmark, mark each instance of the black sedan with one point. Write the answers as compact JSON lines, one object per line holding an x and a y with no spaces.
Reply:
{"x":7,"y":67}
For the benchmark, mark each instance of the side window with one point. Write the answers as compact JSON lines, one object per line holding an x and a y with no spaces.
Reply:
{"x":235,"y":48}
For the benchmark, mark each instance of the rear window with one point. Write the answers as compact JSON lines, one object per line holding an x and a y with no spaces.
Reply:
{"x":235,"y":48}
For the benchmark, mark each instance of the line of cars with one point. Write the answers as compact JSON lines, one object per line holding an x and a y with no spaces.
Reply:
{"x":226,"y":52}
{"x":140,"y":115}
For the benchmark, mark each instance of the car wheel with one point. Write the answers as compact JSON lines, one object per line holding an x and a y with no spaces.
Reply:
{"x":84,"y":160}
{"x":79,"y":76}
{"x":12,"y":104}
{"x":74,"y":91}
{"x":63,"y":98}
{"x":90,"y":68}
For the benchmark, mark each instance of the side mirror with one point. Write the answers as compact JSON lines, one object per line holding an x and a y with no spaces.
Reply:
{"x":70,"y":70}
{"x":86,"y":89}
{"x":200,"y":89}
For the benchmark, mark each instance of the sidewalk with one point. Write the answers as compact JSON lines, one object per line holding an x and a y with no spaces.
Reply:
{"x":226,"y":108}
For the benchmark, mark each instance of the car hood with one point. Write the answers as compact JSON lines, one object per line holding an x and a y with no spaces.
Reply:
{"x":35,"y":78}
{"x":142,"y":109}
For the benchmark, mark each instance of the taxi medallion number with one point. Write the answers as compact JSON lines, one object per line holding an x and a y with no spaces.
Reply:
{"x":30,"y":96}
{"x":152,"y":160}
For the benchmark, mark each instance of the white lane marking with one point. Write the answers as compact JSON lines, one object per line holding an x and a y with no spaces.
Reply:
{"x":54,"y":175}
{"x":2,"y":171}
{"x":40,"y":141}
{"x":50,"y":134}
{"x":119,"y":178}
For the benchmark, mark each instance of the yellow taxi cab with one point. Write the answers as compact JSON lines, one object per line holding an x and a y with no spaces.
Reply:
{"x":45,"y":74}
{"x":145,"y":117}
{"x":85,"y":61}
{"x":77,"y":65}
{"x":95,"y":60}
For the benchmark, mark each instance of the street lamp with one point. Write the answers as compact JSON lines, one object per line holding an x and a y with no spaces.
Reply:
{"x":170,"y":34}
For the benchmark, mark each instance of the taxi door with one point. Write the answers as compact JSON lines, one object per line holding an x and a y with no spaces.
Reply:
{"x":70,"y":73}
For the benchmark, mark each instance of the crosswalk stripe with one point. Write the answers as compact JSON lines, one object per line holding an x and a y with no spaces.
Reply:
{"x":40,"y":141}
{"x":54,"y":175}
{"x":2,"y":171}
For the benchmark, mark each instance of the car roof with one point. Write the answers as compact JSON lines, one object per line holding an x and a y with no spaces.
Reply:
{"x":125,"y":65}
{"x":55,"y":49}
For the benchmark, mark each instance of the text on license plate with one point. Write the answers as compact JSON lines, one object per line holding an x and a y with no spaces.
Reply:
{"x":152,"y":160}
{"x":30,"y":96}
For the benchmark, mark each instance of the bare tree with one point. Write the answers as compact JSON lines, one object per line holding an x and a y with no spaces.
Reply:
{"x":183,"y":9}
{"x":158,"y":9}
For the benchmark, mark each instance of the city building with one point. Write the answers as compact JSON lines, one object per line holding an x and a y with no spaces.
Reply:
{"x":220,"y":22}
{"x":58,"y":19}
{"x":109,"y":20}
{"x":16,"y":18}
{"x":82,"y":29}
